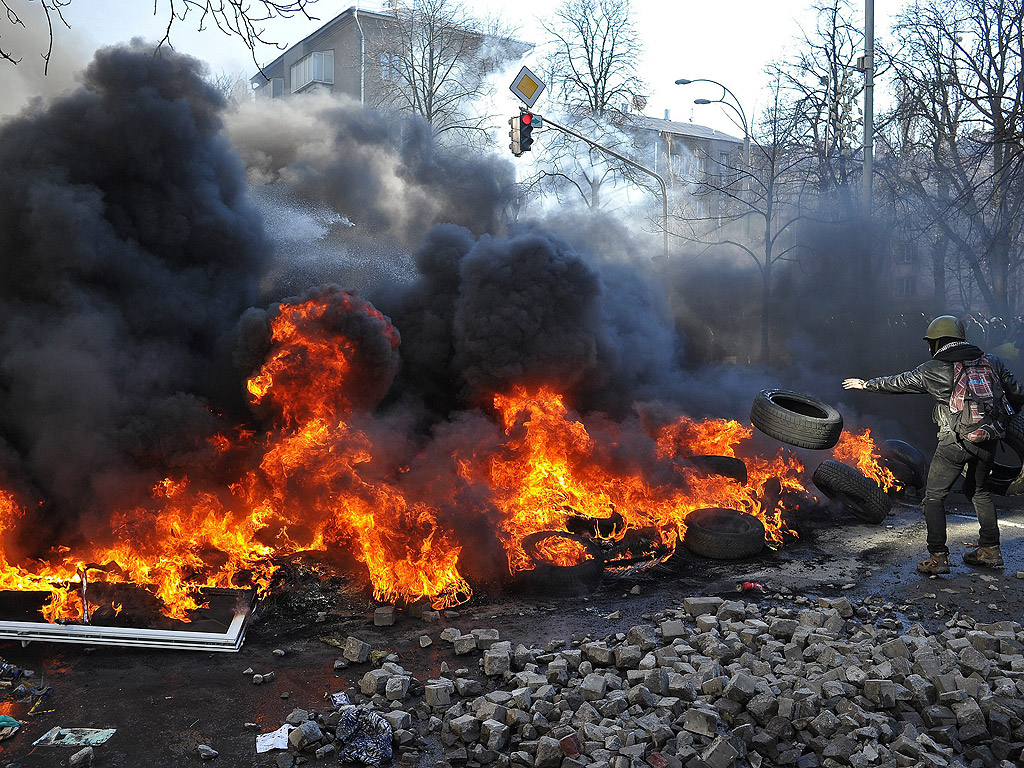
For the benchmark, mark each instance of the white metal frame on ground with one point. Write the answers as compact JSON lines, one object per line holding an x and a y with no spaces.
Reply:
{"x":84,"y":634}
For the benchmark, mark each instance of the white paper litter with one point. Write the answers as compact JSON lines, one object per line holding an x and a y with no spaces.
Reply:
{"x":274,"y":740}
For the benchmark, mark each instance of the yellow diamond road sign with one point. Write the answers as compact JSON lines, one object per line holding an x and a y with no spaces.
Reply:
{"x":527,"y":86}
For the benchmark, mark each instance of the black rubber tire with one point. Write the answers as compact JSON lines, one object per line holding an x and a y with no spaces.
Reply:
{"x":727,"y":466}
{"x":860,"y":495}
{"x":797,"y":419}
{"x":723,"y":534}
{"x":905,"y":475}
{"x":1014,"y":440}
{"x":909,"y":456}
{"x":547,"y":578}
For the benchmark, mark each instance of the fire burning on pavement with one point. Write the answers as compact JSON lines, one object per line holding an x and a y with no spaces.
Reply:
{"x":312,"y":484}
{"x":156,"y":432}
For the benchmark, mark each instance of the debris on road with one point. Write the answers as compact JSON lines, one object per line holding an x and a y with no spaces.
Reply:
{"x":727,"y":683}
{"x":74,"y":737}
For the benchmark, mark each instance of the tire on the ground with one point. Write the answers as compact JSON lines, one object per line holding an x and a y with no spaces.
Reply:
{"x":797,"y":419}
{"x":1014,"y":440}
{"x":906,"y":454}
{"x":905,"y":475}
{"x":723,"y":534}
{"x":548,"y":578}
{"x":861,"y":496}
{"x":727,"y":466}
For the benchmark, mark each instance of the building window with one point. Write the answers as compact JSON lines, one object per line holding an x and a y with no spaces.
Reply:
{"x":390,"y":68}
{"x":907,"y":254}
{"x":318,"y":67}
{"x":723,"y":168}
{"x":906,"y":286}
{"x":271,"y":89}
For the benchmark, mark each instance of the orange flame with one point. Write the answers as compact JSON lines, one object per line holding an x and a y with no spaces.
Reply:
{"x":313,"y":480}
{"x":551,"y":468}
{"x":858,"y":450}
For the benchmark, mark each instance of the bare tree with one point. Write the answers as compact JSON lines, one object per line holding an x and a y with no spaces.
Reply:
{"x":960,"y":125}
{"x":243,"y":19}
{"x":821,"y":78}
{"x":760,"y":204}
{"x":596,"y":53}
{"x":436,"y":60}
{"x":595,"y":50}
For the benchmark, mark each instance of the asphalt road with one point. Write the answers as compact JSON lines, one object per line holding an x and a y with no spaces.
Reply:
{"x":165,"y":703}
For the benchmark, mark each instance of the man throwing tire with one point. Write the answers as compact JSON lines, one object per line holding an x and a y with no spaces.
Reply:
{"x":974,"y":394}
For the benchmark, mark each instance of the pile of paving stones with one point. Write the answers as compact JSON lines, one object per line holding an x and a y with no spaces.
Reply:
{"x":711,"y":684}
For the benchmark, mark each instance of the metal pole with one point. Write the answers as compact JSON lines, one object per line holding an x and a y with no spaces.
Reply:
{"x":869,"y":117}
{"x":362,"y":57}
{"x":623,"y":158}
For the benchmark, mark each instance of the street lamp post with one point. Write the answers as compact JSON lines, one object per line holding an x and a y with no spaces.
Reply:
{"x":737,"y":108}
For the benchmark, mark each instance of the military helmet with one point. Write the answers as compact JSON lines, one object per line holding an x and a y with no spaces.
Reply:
{"x":945,"y":326}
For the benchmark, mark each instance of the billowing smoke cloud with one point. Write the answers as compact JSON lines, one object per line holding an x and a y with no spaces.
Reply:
{"x":384,"y":173}
{"x":129,"y":250}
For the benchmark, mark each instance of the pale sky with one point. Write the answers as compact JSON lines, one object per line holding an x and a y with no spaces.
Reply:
{"x":726,"y":40}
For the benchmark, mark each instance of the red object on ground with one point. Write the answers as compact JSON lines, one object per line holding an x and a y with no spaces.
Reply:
{"x":750,"y":586}
{"x":655,"y":760}
{"x":570,"y":745}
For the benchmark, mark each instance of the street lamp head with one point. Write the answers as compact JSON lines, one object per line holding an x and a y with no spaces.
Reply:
{"x":702,"y":101}
{"x":683,"y":81}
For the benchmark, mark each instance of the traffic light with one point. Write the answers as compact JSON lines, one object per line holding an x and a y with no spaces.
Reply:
{"x":526,"y":123}
{"x":516,"y":135}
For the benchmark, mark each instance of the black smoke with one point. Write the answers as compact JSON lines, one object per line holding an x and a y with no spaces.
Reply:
{"x":128,"y":250}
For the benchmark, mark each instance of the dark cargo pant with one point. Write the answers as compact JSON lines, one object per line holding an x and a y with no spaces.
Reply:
{"x":947,"y":465}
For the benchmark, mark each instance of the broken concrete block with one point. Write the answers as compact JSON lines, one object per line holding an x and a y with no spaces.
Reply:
{"x":464,"y":644}
{"x":356,"y":651}
{"x":84,"y":757}
{"x":485,"y":638}
{"x":720,"y":753}
{"x":494,"y":735}
{"x":437,"y":695}
{"x":307,"y":733}
{"x":700,"y":721}
{"x":593,"y":687}
{"x":396,"y":688}
{"x":698,"y":606}
{"x":496,"y":663}
{"x":399,"y":720}
{"x":466,"y":727}
{"x":672,"y":629}
{"x":549,"y":753}
{"x":374,"y":681}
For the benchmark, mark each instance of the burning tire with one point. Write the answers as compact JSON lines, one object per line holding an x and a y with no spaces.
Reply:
{"x":797,"y":419}
{"x":726,"y":466}
{"x":860,"y":495}
{"x":547,"y":576}
{"x":908,"y":456}
{"x":723,"y":534}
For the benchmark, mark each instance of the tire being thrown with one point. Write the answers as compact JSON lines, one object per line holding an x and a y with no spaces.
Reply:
{"x":796,"y":419}
{"x":863,"y":497}
{"x":723,"y":534}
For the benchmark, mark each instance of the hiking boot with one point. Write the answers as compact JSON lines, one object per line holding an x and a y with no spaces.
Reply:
{"x":990,"y":556}
{"x":937,"y":562}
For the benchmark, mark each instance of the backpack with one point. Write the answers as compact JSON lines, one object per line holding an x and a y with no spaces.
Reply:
{"x":977,"y":403}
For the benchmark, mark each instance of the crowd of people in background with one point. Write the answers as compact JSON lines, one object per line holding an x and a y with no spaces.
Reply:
{"x":1002,"y":338}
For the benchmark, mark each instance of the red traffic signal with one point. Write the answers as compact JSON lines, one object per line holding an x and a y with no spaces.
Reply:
{"x":525,"y":130}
